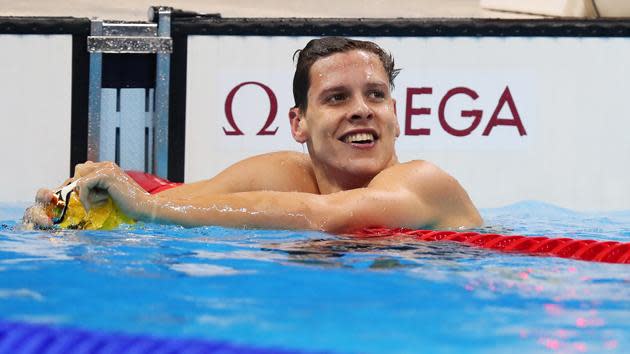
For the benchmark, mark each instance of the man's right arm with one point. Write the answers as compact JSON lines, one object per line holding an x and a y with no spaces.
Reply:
{"x":279,"y":171}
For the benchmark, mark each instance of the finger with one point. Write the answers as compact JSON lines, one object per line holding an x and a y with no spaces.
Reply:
{"x":79,"y":170}
{"x":87,"y":186}
{"x":37,"y":215}
{"x":44,"y":196}
{"x":83,"y":195}
{"x":85,"y":168}
{"x":98,"y":197}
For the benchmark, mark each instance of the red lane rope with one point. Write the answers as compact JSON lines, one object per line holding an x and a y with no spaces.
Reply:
{"x":151,"y":183}
{"x":585,"y":250}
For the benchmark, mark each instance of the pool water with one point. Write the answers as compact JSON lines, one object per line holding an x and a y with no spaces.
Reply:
{"x":317,"y":292}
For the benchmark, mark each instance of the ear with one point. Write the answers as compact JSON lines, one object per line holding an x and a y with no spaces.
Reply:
{"x":396,"y":116}
{"x":299,"y":126}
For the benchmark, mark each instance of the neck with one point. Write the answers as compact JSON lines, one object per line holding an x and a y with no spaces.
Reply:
{"x":332,"y":180}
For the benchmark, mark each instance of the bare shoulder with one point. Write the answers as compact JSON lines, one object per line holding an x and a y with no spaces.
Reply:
{"x":283,"y":161}
{"x":439,"y":192}
{"x":277,"y":171}
{"x":298,"y":159}
{"x":414,"y":174}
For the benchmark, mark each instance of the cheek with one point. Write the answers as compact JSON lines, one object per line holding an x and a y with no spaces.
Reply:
{"x":392,"y":123}
{"x":323,"y":130}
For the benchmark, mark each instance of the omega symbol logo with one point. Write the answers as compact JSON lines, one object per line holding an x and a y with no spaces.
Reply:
{"x":273,"y":110}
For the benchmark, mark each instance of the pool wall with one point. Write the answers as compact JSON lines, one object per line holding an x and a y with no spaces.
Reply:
{"x":515,"y":109}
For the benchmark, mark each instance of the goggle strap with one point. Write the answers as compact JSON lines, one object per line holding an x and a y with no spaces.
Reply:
{"x":63,"y":194}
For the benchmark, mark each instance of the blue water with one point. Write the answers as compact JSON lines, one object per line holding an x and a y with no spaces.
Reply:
{"x":313,"y":291}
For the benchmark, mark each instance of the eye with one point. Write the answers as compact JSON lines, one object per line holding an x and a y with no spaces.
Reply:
{"x":376,"y":94}
{"x":336,"y":98}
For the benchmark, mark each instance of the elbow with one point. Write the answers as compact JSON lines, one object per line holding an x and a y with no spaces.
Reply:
{"x":322,"y":216}
{"x":335,"y":216}
{"x":477,"y":220}
{"x":335,"y":221}
{"x":324,"y":222}
{"x":332,"y":226}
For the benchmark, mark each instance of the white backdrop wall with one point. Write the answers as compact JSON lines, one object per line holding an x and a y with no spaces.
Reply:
{"x":35,"y":104}
{"x":554,"y":111}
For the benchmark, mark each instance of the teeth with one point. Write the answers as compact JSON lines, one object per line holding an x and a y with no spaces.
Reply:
{"x":353,"y":138}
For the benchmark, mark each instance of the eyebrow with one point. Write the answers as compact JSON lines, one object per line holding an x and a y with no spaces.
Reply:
{"x":333,"y":89}
{"x":377,"y":84}
{"x":341,"y":88}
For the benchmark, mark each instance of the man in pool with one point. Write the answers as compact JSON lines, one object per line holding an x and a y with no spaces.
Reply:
{"x":351,"y":177}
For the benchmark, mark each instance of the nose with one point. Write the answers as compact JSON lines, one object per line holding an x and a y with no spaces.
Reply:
{"x":360,"y":109}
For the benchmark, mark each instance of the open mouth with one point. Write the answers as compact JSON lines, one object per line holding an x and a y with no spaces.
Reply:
{"x":364,"y":138}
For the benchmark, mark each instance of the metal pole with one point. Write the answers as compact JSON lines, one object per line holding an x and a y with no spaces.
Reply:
{"x":162,"y":82}
{"x":94,"y":100}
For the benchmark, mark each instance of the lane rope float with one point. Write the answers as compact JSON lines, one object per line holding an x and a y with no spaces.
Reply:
{"x":580,"y":249}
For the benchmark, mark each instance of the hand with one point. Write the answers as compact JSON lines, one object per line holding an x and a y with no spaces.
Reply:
{"x":100,"y":180}
{"x":37,"y":216}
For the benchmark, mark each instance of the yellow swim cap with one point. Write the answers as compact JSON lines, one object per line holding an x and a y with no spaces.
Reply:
{"x":105,"y":216}
{"x":70,"y":213}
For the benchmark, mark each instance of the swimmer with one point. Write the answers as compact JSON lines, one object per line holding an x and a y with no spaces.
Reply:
{"x":351,"y":177}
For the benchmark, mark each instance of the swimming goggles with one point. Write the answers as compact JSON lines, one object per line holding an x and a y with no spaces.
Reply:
{"x":62,"y":196}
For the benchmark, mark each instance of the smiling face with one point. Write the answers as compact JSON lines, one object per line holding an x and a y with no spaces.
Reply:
{"x":350,"y":125}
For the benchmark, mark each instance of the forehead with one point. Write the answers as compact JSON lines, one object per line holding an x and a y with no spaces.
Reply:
{"x":339,"y":67}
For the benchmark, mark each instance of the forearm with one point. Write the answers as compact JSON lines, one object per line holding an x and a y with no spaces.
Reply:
{"x":336,"y":212}
{"x":251,"y":209}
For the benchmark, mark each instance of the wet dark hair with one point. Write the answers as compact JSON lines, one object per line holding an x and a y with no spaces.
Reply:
{"x":326,"y":46}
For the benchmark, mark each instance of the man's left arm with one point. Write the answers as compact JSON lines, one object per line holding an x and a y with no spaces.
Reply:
{"x":415,"y":194}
